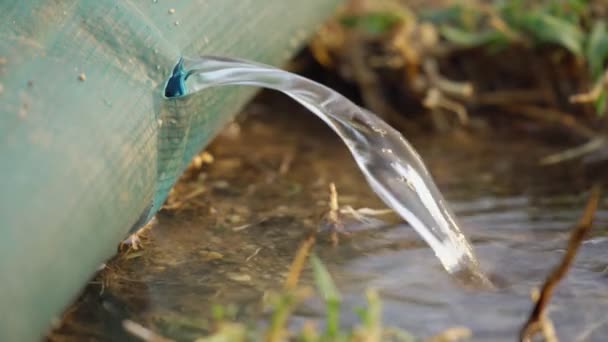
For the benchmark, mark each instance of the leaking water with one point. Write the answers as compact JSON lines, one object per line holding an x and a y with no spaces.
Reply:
{"x":391,"y":166}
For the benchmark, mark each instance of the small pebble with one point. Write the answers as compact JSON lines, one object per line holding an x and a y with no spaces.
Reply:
{"x":234,"y":218}
{"x":82,"y":77}
{"x":210,"y":255}
{"x":206,"y":157}
{"x":240,"y":277}
{"x":176,"y":23}
{"x":220,"y":184}
{"x":1,"y":88}
{"x":171,"y":10}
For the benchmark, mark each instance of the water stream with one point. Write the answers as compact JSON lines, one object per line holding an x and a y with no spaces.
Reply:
{"x":392,"y":167}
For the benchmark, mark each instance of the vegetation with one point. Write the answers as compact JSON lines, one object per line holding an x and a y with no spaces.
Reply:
{"x":541,"y":61}
{"x":283,"y":304}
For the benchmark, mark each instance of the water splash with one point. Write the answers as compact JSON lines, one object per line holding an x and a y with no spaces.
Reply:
{"x":391,"y":166}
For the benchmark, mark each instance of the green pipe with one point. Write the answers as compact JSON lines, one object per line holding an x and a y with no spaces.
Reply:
{"x":88,"y":146}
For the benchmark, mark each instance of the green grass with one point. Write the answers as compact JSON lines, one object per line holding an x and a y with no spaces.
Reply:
{"x":567,"y":24}
{"x":369,"y":328}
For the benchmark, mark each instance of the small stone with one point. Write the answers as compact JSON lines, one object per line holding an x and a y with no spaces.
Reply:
{"x":82,"y":77}
{"x":206,"y":157}
{"x":210,"y":255}
{"x":177,"y":23}
{"x":171,"y":10}
{"x":221,"y":184}
{"x":240,"y":277}
{"x":234,"y":218}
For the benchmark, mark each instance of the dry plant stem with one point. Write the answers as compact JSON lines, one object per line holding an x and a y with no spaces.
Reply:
{"x":292,"y":294}
{"x":298,"y":262}
{"x":329,"y":38}
{"x":321,"y":53}
{"x":362,"y":214}
{"x":142,"y":332}
{"x":436,"y":100}
{"x":367,"y":80}
{"x":508,"y":96}
{"x":534,"y":323}
{"x":498,"y":23}
{"x":178,"y":203}
{"x":594,"y":93}
{"x":333,"y":216}
{"x":550,"y":115}
{"x":460,"y":89}
{"x":135,"y":240}
{"x":286,"y":163}
{"x":546,"y":325}
{"x":575,"y":152}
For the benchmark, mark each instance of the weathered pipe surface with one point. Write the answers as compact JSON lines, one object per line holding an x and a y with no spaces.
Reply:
{"x":87,"y":143}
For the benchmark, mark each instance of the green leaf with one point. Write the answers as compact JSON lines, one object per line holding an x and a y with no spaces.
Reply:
{"x":217,"y":312}
{"x":600,"y":104}
{"x":471,"y":39}
{"x":372,"y":22}
{"x":546,"y":28}
{"x":330,"y":295}
{"x":373,"y":314}
{"x":597,"y":49}
{"x":442,"y":14}
{"x":323,"y":280}
{"x":349,"y":20}
{"x":571,"y":10}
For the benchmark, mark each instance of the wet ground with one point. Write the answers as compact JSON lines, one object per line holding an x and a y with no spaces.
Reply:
{"x":234,"y":225}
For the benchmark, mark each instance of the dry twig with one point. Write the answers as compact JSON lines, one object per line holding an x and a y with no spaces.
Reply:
{"x":435,"y":100}
{"x":551,"y":115}
{"x":333,"y":216}
{"x":298,"y":262}
{"x":594,"y":93}
{"x":537,"y":320}
{"x":136,"y":240}
{"x":447,"y":86}
{"x":574,"y":152}
{"x":142,"y":332}
{"x":174,"y":202}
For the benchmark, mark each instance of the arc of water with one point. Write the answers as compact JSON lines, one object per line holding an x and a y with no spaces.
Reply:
{"x":391,"y":166}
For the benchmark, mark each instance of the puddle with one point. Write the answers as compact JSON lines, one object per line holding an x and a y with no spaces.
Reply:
{"x":268,"y":185}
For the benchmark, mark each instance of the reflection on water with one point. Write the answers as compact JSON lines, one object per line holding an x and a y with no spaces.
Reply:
{"x":236,"y":239}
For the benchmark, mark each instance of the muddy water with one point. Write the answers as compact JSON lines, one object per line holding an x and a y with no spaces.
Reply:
{"x":246,"y":213}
